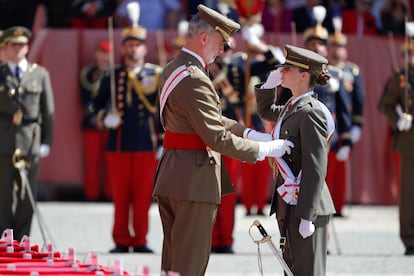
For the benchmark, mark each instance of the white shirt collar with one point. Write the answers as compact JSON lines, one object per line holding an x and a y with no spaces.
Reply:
{"x":195,"y":55}
{"x":22,"y":64}
{"x":309,"y":93}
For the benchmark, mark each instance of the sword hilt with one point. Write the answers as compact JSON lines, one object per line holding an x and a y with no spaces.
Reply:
{"x":260,"y":227}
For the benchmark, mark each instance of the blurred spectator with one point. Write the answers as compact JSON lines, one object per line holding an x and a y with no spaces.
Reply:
{"x":17,"y":13}
{"x":57,"y":13}
{"x":275,"y":17}
{"x":154,"y":14}
{"x":94,"y":135}
{"x":393,"y":16}
{"x":304,"y":17}
{"x":91,"y":13}
{"x":359,"y":21}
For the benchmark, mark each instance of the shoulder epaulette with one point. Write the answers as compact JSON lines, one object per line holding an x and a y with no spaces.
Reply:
{"x":354,"y":67}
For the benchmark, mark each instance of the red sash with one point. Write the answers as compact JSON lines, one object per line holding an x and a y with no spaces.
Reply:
{"x":186,"y":141}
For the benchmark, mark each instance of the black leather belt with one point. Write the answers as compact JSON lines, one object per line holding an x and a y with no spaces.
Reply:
{"x":25,"y":120}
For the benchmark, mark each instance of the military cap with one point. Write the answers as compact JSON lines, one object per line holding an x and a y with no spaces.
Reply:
{"x":225,"y":26}
{"x":304,"y":59}
{"x":137,"y":33}
{"x":17,"y":34}
{"x":338,"y":38}
{"x":316,"y":32}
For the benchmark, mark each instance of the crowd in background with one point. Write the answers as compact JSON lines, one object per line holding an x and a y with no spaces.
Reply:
{"x":378,"y":17}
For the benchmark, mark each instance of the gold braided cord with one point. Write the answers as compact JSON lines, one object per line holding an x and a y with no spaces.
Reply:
{"x":90,"y":86}
{"x":134,"y":83}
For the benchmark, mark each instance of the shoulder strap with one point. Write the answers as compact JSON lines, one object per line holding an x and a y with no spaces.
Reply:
{"x":173,"y":80}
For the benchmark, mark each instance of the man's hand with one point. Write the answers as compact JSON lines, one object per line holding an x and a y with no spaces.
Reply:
{"x":355,"y":134}
{"x":275,"y":148}
{"x":405,"y":121}
{"x":44,"y":150}
{"x":343,"y":153}
{"x":254,"y":135}
{"x":306,"y":228}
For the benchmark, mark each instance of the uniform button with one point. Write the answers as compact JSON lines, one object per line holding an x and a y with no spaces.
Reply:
{"x":20,"y":90}
{"x":12,"y":92}
{"x":286,"y":132}
{"x":211,"y":161}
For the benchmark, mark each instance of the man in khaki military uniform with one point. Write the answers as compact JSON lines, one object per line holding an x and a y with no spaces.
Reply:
{"x":191,"y":177}
{"x":397,"y":105}
{"x":26,"y":125}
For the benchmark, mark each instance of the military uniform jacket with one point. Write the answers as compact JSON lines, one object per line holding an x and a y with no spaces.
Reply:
{"x":305,"y":124}
{"x":137,"y":104}
{"x":33,"y":96}
{"x":193,"y":107}
{"x":89,"y":85}
{"x":395,"y":96}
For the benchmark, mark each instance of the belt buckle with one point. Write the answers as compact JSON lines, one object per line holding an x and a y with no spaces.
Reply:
{"x":282,"y":242}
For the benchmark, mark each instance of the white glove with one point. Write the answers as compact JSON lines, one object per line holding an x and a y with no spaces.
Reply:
{"x":273,"y":80}
{"x":355,"y":134}
{"x":249,"y":34}
{"x":254,"y":135}
{"x":159,"y":152}
{"x":404,"y":122}
{"x":306,"y":228}
{"x":275,"y":148}
{"x":44,"y":150}
{"x":112,"y":120}
{"x":343,"y":153}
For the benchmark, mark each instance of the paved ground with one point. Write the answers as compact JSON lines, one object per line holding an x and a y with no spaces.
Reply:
{"x":367,"y":241}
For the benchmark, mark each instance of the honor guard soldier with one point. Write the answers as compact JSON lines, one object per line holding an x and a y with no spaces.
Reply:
{"x":94,"y":135}
{"x":26,"y":120}
{"x":133,"y":140}
{"x":397,"y":105}
{"x":349,"y":110}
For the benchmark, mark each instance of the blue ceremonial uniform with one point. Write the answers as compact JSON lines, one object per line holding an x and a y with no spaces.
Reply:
{"x":131,"y":149}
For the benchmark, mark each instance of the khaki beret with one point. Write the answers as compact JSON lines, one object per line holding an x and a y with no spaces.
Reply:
{"x":225,"y":26}
{"x":17,"y":34}
{"x":137,"y":33}
{"x":304,"y":59}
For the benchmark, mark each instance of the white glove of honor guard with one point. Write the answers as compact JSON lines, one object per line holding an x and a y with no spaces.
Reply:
{"x":355,"y":134}
{"x":250,"y":35}
{"x":273,"y":80}
{"x":306,"y":228}
{"x":343,"y":153}
{"x":404,"y":122}
{"x":254,"y":135}
{"x":44,"y":150}
{"x":112,"y":120}
{"x":274,"y":148}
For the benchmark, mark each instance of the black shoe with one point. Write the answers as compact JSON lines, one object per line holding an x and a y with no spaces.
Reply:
{"x":248,"y":213}
{"x":120,"y":249}
{"x":215,"y":249}
{"x":409,"y":251}
{"x":227,"y":250}
{"x":143,"y":249}
{"x":260,"y":213}
{"x":339,"y":215}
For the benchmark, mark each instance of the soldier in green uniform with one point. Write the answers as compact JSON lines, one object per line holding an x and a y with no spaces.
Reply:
{"x":26,"y":125}
{"x":397,"y":105}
